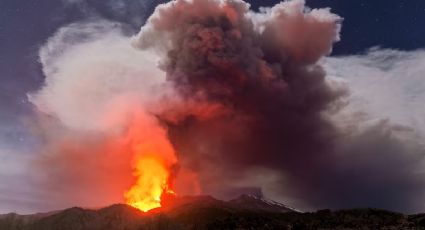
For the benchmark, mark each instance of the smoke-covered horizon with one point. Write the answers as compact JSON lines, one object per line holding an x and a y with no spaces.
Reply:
{"x":234,"y":99}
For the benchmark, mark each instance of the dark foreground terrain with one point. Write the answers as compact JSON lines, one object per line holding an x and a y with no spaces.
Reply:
{"x":245,"y":212}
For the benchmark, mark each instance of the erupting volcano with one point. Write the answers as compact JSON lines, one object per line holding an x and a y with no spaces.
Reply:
{"x":207,"y":97}
{"x":154,"y":163}
{"x":153,"y":180}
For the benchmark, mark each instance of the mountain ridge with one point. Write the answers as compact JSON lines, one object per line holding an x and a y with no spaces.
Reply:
{"x":207,"y":212}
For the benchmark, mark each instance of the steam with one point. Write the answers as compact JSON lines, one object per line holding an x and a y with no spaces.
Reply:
{"x":242,"y":98}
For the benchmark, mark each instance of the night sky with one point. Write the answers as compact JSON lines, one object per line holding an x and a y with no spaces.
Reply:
{"x":25,"y":25}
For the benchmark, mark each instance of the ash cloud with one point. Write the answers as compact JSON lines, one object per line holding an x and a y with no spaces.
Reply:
{"x":244,"y":99}
{"x":262,"y":69}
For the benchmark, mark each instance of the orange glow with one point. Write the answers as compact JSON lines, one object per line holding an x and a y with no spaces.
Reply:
{"x":153,"y":163}
{"x":152,"y":182}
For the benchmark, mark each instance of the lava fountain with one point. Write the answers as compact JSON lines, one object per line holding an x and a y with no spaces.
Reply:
{"x":154,"y":164}
{"x":152,"y":182}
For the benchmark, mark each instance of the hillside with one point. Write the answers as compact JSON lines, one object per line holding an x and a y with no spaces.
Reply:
{"x":205,"y":212}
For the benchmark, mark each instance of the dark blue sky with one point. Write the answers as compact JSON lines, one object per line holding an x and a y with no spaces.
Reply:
{"x":390,"y":24}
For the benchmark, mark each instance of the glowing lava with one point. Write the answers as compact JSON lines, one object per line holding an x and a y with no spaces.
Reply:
{"x":152,"y":183}
{"x":154,"y":163}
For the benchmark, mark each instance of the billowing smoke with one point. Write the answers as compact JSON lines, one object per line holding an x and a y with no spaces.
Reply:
{"x":261,"y":69}
{"x":239,"y":96}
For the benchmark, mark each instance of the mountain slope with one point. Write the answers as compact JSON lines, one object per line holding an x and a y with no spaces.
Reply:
{"x":251,"y":202}
{"x":205,"y":212}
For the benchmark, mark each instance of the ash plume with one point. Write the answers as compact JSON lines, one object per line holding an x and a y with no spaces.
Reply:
{"x":261,"y":69}
{"x":240,"y":96}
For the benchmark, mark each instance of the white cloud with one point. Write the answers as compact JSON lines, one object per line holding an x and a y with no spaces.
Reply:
{"x":89,"y":67}
{"x":384,"y":84}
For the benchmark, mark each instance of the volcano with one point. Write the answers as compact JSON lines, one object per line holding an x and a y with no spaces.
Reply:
{"x":206,"y":212}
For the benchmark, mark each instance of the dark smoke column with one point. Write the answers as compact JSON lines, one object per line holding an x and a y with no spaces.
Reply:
{"x":259,"y":70}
